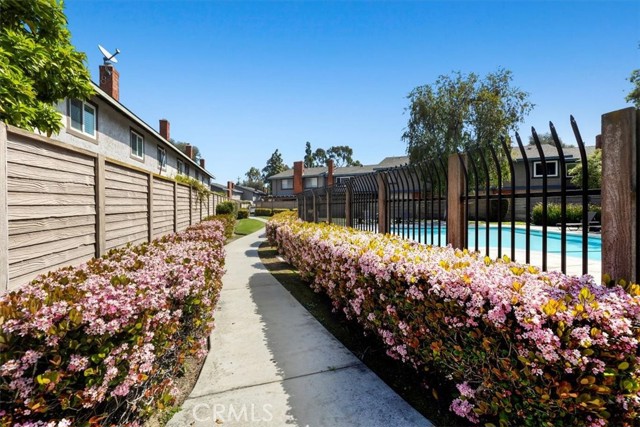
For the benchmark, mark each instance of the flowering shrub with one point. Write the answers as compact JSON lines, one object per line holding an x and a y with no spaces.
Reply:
{"x":523,"y":347}
{"x":99,"y":344}
{"x":227,"y":220}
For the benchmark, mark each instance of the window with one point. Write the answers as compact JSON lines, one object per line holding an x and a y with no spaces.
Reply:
{"x":287,"y":184}
{"x":311,"y":182}
{"x":137,"y":145}
{"x":552,"y":169}
{"x":83,"y":117}
{"x":186,"y":169}
{"x":180,"y":167}
{"x":162,"y":158}
{"x":342,"y":179}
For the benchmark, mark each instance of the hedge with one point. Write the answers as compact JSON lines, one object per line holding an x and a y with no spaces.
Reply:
{"x":243,"y":213}
{"x":227,"y":207}
{"x":263,"y":212}
{"x":269,"y":211}
{"x":100,"y":344}
{"x":228,"y":222}
{"x":523,"y":347}
{"x":574,"y":213}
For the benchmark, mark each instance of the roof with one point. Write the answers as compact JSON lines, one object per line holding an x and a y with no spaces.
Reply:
{"x":390,"y":162}
{"x":550,"y":152}
{"x":130,"y":115}
{"x":249,"y":189}
{"x":220,"y":187}
{"x":387,"y":162}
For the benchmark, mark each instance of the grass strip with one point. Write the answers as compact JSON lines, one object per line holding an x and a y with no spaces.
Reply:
{"x":247,"y":226}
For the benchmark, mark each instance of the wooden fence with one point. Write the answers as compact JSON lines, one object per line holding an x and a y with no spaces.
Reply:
{"x":61,"y":205}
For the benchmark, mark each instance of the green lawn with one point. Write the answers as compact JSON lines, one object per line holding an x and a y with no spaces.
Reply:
{"x":247,"y":226}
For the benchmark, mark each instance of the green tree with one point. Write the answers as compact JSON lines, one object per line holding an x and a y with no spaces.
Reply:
{"x":634,"y":96}
{"x":38,"y":64}
{"x":342,"y":155}
{"x":254,"y":179}
{"x":182,"y":146}
{"x":320,"y":157}
{"x":275,"y":165}
{"x":308,"y":156}
{"x":594,"y":165}
{"x":546,"y":138}
{"x":460,"y":110}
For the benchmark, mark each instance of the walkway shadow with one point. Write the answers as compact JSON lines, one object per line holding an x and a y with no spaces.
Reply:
{"x":325,"y":384}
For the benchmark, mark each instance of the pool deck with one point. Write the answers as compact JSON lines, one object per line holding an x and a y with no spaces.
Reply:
{"x":554,"y":261}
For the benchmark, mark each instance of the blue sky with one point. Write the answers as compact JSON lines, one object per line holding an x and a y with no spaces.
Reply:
{"x":241,"y":79}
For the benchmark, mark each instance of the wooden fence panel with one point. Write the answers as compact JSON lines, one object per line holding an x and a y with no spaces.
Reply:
{"x":183,"y":207}
{"x":126,"y":206}
{"x":162,"y":207}
{"x":51,"y":208}
{"x":195,"y":207}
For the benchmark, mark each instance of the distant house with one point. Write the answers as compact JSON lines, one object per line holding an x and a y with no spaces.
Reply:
{"x":250,"y":194}
{"x":536,"y":169}
{"x":298,"y":179}
{"x":104,"y":126}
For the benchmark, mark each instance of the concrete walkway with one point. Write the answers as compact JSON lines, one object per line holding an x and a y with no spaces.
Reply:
{"x":272,"y":364}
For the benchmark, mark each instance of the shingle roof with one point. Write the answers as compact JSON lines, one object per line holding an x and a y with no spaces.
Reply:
{"x":550,"y":152}
{"x":387,"y":162}
{"x":390,"y":162}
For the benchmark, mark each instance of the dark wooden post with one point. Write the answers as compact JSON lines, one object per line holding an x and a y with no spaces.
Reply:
{"x":190,"y":205}
{"x":175,"y":206}
{"x":456,"y":228}
{"x":150,"y":204}
{"x":328,"y":194}
{"x":382,"y":203}
{"x":315,"y":205}
{"x":100,"y":188}
{"x":4,"y":212}
{"x":348,"y":212}
{"x":620,"y":135}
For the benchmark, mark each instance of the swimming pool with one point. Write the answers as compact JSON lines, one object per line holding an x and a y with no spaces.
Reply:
{"x":574,"y":240}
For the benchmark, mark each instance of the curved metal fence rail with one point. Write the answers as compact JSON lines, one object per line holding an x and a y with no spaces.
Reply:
{"x":502,"y":185}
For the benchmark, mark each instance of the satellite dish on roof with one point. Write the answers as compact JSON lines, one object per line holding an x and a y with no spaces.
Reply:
{"x":108,"y":57}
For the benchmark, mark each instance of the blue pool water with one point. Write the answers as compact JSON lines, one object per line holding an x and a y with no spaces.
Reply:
{"x":574,"y":239}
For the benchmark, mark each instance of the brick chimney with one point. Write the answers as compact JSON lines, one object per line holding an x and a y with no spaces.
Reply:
{"x":165,"y":128}
{"x":329,"y":172}
{"x":298,"y":170}
{"x":598,"y":141}
{"x":188,"y":150}
{"x":110,"y":81}
{"x":230,"y":186}
{"x":202,"y":163}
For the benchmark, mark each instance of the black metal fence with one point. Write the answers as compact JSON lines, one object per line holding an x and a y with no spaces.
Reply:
{"x":502,"y":185}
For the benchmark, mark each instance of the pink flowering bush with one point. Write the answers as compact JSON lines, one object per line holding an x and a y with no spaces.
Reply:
{"x":523,"y":347}
{"x":100,"y":344}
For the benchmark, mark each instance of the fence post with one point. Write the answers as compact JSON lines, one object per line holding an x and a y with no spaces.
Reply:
{"x":190,"y":205}
{"x":329,"y":195}
{"x":175,"y":206}
{"x":304,"y":206}
{"x":382,"y":203}
{"x":620,"y":181}
{"x":150,"y":201}
{"x":4,"y":212}
{"x":456,"y":228}
{"x":348,"y":212}
{"x":315,"y":205}
{"x":100,"y":189}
